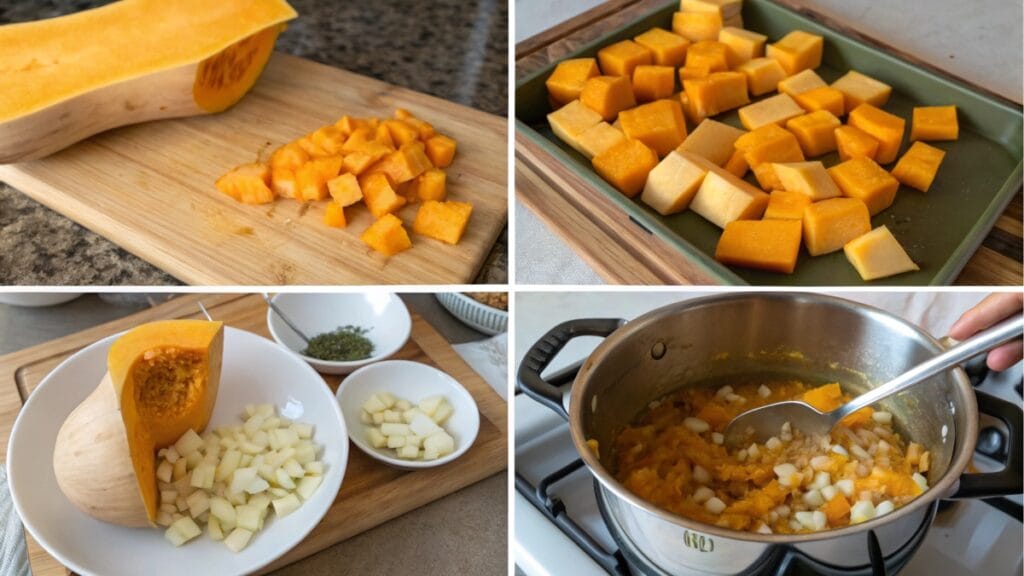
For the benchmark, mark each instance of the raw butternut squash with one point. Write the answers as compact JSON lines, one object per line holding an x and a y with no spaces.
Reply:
{"x":621,"y":58}
{"x":444,"y":221}
{"x":626,"y":165}
{"x":742,"y":45}
{"x":865,"y":180}
{"x":934,"y":123}
{"x":830,"y":224}
{"x":815,"y":131}
{"x":68,"y":78}
{"x":771,"y":245}
{"x":797,"y":51}
{"x":882,"y":126}
{"x":387,"y":236}
{"x":566,"y":82}
{"x":668,"y":49}
{"x":659,"y":125}
{"x":918,"y":166}
{"x":652,"y":83}
{"x":878,"y":254}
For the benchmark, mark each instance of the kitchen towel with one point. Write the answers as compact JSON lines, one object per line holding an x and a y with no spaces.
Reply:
{"x":13,"y":556}
{"x":489,"y":358}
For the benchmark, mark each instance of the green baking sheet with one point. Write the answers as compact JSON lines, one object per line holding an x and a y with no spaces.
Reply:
{"x":940,"y":229}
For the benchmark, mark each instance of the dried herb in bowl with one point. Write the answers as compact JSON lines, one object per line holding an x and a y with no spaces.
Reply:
{"x":346,"y":344}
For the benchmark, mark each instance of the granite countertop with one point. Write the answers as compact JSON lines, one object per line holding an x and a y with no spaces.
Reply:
{"x":452,"y":49}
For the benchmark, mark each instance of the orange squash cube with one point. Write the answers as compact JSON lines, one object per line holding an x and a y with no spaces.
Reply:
{"x":697,"y":26}
{"x":626,"y":165}
{"x":567,"y":80}
{"x":917,"y":168}
{"x":328,"y":166}
{"x":724,"y":8}
{"x":598,"y":138}
{"x":310,"y":147}
{"x":830,"y":224}
{"x":334,"y":215}
{"x":431,"y":185}
{"x":808,"y":178}
{"x":801,"y":82}
{"x":766,"y":177}
{"x":608,"y":95}
{"x":853,"y":142}
{"x":712,"y":140}
{"x":688,"y":72}
{"x":882,"y":126}
{"x":863,"y":179}
{"x":769,"y":144}
{"x":816,"y":132}
{"x":345,"y":189}
{"x":934,"y":123}
{"x":248,"y":183}
{"x":797,"y":51}
{"x":403,"y":164}
{"x":347,"y":124}
{"x":878,"y":254}
{"x":741,"y":45}
{"x":772,"y":245}
{"x":284,"y":183}
{"x":570,"y":122}
{"x":378,"y":194}
{"x":773,"y":110}
{"x":621,"y":58}
{"x":785,"y":205}
{"x":737,"y":164}
{"x":400,"y":132}
{"x":823,"y":98}
{"x":668,"y":49}
{"x":719,"y":92}
{"x":763,"y":75}
{"x":387,"y":236}
{"x":444,"y":221}
{"x":723,"y":198}
{"x":710,"y":53}
{"x":659,"y":125}
{"x":357,"y":162}
{"x":425,"y":129}
{"x":652,"y":83}
{"x":440,"y":149}
{"x":362,"y":139}
{"x":288,"y":157}
{"x":859,"y":88}
{"x":383,"y":136}
{"x":311,"y":182}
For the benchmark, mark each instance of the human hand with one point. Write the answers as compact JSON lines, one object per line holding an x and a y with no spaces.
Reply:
{"x":993,"y":309}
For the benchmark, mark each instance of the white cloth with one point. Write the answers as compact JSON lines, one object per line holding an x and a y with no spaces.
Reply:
{"x":489,"y":358}
{"x":13,"y":554}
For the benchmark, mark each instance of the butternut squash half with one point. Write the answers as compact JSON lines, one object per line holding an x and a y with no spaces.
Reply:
{"x":162,"y":380}
{"x":67,"y":78}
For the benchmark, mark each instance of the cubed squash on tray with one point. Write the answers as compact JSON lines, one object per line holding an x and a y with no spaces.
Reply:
{"x":621,"y":58}
{"x":815,"y":132}
{"x":713,"y":140}
{"x":772,"y":245}
{"x":934,"y":123}
{"x":570,"y":121}
{"x":708,"y":53}
{"x":808,"y":178}
{"x":608,"y":95}
{"x":785,"y":205}
{"x":860,"y":88}
{"x":882,"y":126}
{"x":830,"y":224}
{"x":878,"y":254}
{"x":626,"y":165}
{"x":865,"y":180}
{"x":918,"y":166}
{"x":823,"y":98}
{"x":659,"y":125}
{"x":801,"y":82}
{"x":652,"y":83}
{"x":723,"y":198}
{"x":567,"y":80}
{"x":852,"y":142}
{"x":773,"y":110}
{"x":724,"y":8}
{"x":797,"y":51}
{"x":763,"y":75}
{"x":717,"y":93}
{"x":444,"y":221}
{"x":598,"y":138}
{"x":387,"y":236}
{"x":766,"y":145}
{"x":697,"y":26}
{"x":673,"y":183}
{"x":742,"y":45}
{"x":667,"y":48}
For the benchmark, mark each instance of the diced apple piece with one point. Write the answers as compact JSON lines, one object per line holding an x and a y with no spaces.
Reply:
{"x":238,"y":539}
{"x":165,"y":471}
{"x":387,"y":398}
{"x":188,"y":443}
{"x":213,"y":529}
{"x":376,"y":439}
{"x":392,"y":416}
{"x":397,"y":441}
{"x":256,"y":486}
{"x":378,"y":417}
{"x":287,"y":505}
{"x":878,"y":254}
{"x":402,"y":405}
{"x":422,"y":425}
{"x":306,"y":452}
{"x":283,"y":479}
{"x":389,"y":429}
{"x":442,"y":443}
{"x":304,"y":431}
{"x":314,"y":468}
{"x":442,"y":413}
{"x":198,"y":502}
{"x":430,"y":404}
{"x":223,"y":510}
{"x":204,"y":475}
{"x":308,"y":485}
{"x":248,"y":517}
{"x":408,"y":452}
{"x":182,"y":530}
{"x":293,"y":469}
{"x":374,"y":404}
{"x":241,"y":478}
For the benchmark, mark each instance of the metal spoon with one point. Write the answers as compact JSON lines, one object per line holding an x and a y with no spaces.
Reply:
{"x":285,"y":318}
{"x":765,"y":421}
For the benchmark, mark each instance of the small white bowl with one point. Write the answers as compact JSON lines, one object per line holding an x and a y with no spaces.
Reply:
{"x":411,"y":381}
{"x":476,"y":314}
{"x":383,"y":314}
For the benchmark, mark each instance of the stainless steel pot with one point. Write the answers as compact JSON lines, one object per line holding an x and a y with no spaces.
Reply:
{"x":809,"y":336}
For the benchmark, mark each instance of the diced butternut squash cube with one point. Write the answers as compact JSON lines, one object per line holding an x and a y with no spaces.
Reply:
{"x":431,"y":185}
{"x":378,"y":194}
{"x":808,"y":178}
{"x":934,"y":123}
{"x":801,"y":82}
{"x":858,"y":89}
{"x":785,"y":205}
{"x":659,"y":125}
{"x":710,"y":53}
{"x":357,"y":162}
{"x":771,"y":245}
{"x":248,"y":183}
{"x":697,"y":26}
{"x":712,"y":140}
{"x":737,"y":164}
{"x":719,"y":92}
{"x":816,"y":132}
{"x":852,"y":142}
{"x":688,"y":72}
{"x":364,"y":140}
{"x":830,"y":224}
{"x":288,"y":157}
{"x":823,"y":98}
{"x":769,"y":143}
{"x":626,"y":165}
{"x":863,"y":179}
{"x":667,"y":48}
{"x":570,"y":121}
{"x":444,"y":221}
{"x":608,"y":95}
{"x":652,"y":83}
{"x":673,"y":183}
{"x":328,"y":166}
{"x":774,"y":110}
{"x":310,"y":180}
{"x":741,"y":45}
{"x":345,"y":189}
{"x":878,"y":254}
{"x":402,"y":132}
{"x":766,"y":177}
{"x":403,"y":164}
{"x":917,"y":168}
{"x":797,"y":51}
{"x":882,"y":126}
{"x":425,"y":129}
{"x":348,"y":124}
{"x":567,"y":80}
{"x":763,"y":75}
{"x":284,"y":183}
{"x":383,"y":136}
{"x":334,"y":215}
{"x":598,"y":138}
{"x":723,"y":198}
{"x":440,"y":150}
{"x":387,"y":236}
{"x":724,"y":8}
{"x":621,"y":58}
{"x":310,"y":147}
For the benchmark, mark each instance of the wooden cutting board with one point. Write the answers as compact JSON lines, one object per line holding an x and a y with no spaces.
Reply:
{"x":150,"y":187}
{"x":371,"y":492}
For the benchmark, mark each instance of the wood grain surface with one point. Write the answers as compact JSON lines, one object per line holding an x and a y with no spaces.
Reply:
{"x":622,"y":252}
{"x":150,"y":187}
{"x":371,"y":492}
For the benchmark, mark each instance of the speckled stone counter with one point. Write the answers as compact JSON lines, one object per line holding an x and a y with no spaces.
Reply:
{"x":453,"y":49}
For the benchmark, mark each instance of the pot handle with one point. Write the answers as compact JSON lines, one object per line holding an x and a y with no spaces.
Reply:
{"x":1009,"y":480}
{"x":544,"y":351}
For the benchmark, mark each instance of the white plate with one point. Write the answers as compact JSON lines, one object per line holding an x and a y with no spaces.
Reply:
{"x":411,"y":381}
{"x":255,"y":370}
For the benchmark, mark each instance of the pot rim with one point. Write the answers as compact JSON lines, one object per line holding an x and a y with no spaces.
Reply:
{"x":964,"y":440}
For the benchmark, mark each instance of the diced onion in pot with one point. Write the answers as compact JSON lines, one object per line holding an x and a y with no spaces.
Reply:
{"x":763,"y":391}
{"x":703,"y":494}
{"x":920,"y":480}
{"x":718,"y":438}
{"x":714,"y":505}
{"x":862,"y":511}
{"x":701,"y":475}
{"x":829,"y":492}
{"x":773,"y":443}
{"x":788,"y":474}
{"x":882,"y":417}
{"x":884,"y":508}
{"x":696,"y":425}
{"x":838,"y":449}
{"x":813,"y":498}
{"x":845,"y":486}
{"x":764,"y":529}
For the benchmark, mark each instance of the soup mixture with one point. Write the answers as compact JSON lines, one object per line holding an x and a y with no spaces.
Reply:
{"x":674,"y":456}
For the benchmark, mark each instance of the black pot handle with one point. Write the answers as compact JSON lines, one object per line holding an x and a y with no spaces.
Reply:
{"x":1009,"y":480}
{"x":544,"y":351}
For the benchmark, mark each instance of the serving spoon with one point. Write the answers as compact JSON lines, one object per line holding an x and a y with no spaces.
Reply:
{"x":761,"y":423}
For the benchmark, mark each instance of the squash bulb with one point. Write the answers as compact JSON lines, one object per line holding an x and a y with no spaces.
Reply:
{"x":162,"y":380}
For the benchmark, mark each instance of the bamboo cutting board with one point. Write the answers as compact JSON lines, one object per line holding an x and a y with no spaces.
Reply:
{"x":371,"y":492}
{"x":150,"y":187}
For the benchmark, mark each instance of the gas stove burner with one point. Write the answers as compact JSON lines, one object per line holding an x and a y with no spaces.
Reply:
{"x":780,"y":560}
